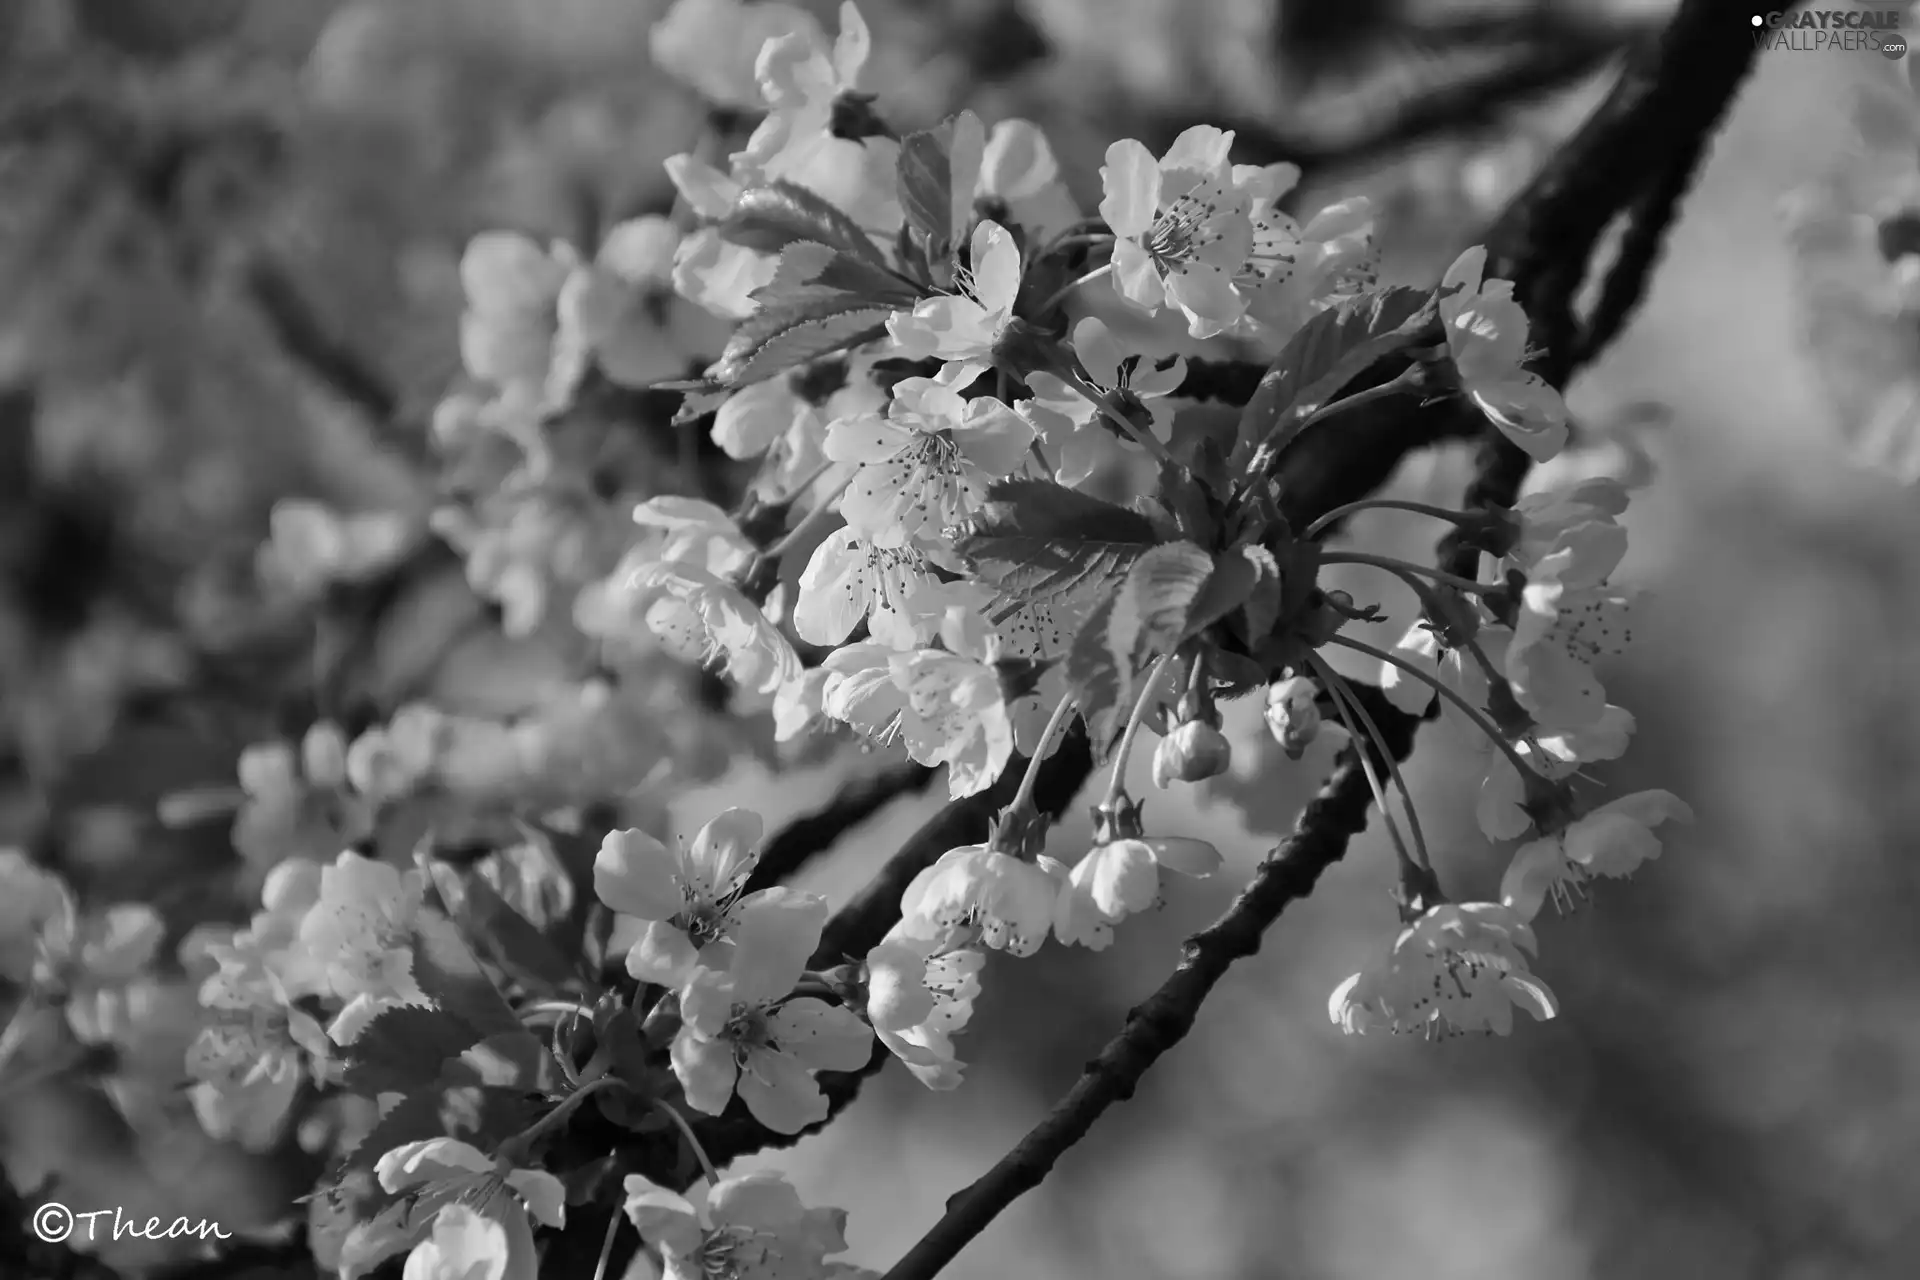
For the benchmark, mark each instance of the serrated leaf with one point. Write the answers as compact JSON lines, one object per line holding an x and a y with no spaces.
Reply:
{"x":480,"y":1115}
{"x":1154,"y":606}
{"x":770,"y":218}
{"x":1037,"y":541}
{"x":1329,"y":351}
{"x":925,"y":170}
{"x":403,"y":1048}
{"x":449,"y":972}
{"x":809,"y":339}
{"x":1186,"y":500}
{"x":1228,"y":586}
{"x":1262,"y":609}
{"x":515,"y":1060}
{"x":937,"y":206}
{"x":1095,"y":679}
{"x":819,"y":301}
{"x":501,"y":934}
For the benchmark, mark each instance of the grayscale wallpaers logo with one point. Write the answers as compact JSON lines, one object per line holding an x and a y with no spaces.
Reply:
{"x":1877,"y":30}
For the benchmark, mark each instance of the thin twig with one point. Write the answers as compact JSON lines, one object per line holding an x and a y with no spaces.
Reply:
{"x":812,"y":834}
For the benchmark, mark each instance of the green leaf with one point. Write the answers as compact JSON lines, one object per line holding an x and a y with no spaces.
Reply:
{"x":502,"y":934}
{"x":925,"y":170}
{"x":1153,"y":610}
{"x":1096,"y":681}
{"x":1262,"y":611}
{"x":404,"y":1048}
{"x":447,"y":970}
{"x":1228,"y":586}
{"x":1331,"y":350}
{"x":819,"y":301}
{"x":937,"y":207}
{"x":782,"y":213}
{"x":385,"y":1224}
{"x":1037,"y":541}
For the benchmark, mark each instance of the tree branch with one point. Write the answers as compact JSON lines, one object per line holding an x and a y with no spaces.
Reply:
{"x":1666,"y":102}
{"x":810,"y":835}
{"x":1288,"y":873}
{"x":1657,"y":119}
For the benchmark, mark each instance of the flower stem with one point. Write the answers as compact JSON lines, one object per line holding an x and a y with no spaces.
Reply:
{"x":1473,"y":713}
{"x":1293,"y":422}
{"x":1145,"y":439}
{"x":808,"y":522}
{"x":1070,"y":238}
{"x":606,"y":1246}
{"x":1060,"y":294}
{"x":1343,"y":694}
{"x":523,"y":1142}
{"x":1410,"y":572}
{"x":686,"y":1131}
{"x":1360,"y":745}
{"x":1023,"y":798}
{"x":1385,"y":504}
{"x":1117,"y":783}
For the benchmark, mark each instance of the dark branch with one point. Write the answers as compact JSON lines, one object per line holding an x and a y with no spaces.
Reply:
{"x":1658,"y":119}
{"x":1544,"y":54}
{"x":1288,"y":873}
{"x":809,"y":836}
{"x":1667,"y":101}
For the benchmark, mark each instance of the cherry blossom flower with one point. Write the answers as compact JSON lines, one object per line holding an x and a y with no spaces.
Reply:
{"x":37,"y":916}
{"x":1459,"y":968}
{"x":1293,"y":714}
{"x":801,"y":81}
{"x":704,"y":620}
{"x":361,"y":929}
{"x":965,"y":326}
{"x":920,"y":994}
{"x":1293,"y":270}
{"x":251,"y":1057}
{"x":1072,"y":428}
{"x":751,"y":1226}
{"x":1119,"y":877}
{"x":708,"y":270}
{"x":1558,"y":635}
{"x":1010,"y":899}
{"x":1572,"y":535}
{"x":688,"y":898}
{"x":463,"y":1245}
{"x":1611,"y":840}
{"x":297,"y":802}
{"x":1487,"y":338}
{"x":744,"y":1029}
{"x":442,"y":1173}
{"x":1193,"y":752}
{"x":850,"y":579}
{"x":621,"y":306}
{"x":713,"y":45}
{"x":927,"y":464}
{"x":1501,"y":805}
{"x":311,"y":546}
{"x":510,"y":331}
{"x":1019,"y":172}
{"x":1181,"y":229}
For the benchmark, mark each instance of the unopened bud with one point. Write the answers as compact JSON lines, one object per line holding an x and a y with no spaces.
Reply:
{"x":1293,"y":714}
{"x":1193,"y":752}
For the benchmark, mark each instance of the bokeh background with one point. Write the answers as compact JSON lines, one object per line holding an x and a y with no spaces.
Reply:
{"x":1733,"y":1089}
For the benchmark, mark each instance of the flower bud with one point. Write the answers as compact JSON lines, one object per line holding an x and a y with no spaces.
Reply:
{"x":1293,"y":714}
{"x":1193,"y":752}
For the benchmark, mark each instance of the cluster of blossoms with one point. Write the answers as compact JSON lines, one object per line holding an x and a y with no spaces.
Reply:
{"x":938,"y":375}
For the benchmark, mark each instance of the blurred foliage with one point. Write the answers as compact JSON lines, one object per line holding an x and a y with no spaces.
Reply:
{"x":229,"y":233}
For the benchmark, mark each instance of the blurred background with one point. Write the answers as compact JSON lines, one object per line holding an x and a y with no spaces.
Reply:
{"x":229,"y":238}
